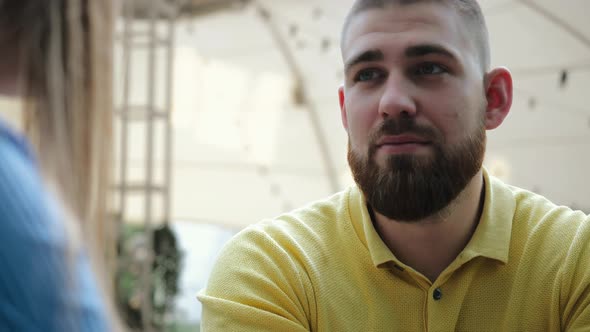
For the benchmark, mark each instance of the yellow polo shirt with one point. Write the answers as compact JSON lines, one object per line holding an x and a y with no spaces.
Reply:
{"x":325,"y":268}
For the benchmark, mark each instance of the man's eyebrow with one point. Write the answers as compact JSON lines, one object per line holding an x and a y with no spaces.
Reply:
{"x":367,"y":56}
{"x":426,"y":49}
{"x":410,"y":52}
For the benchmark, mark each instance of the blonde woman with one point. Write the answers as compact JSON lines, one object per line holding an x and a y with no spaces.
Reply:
{"x":55,"y":56}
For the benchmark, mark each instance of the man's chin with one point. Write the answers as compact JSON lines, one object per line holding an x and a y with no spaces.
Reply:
{"x":423,"y":152}
{"x":402,"y":162}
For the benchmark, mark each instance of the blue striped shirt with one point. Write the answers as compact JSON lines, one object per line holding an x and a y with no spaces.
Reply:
{"x":37,"y":290}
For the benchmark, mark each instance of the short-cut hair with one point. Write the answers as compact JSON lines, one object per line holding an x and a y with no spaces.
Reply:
{"x":469,"y":10}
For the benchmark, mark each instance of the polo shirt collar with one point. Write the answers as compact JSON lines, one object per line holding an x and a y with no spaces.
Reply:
{"x":492,"y":235}
{"x":491,"y":238}
{"x":363,"y":226}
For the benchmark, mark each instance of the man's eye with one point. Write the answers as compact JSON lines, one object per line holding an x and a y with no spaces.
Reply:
{"x":367,"y":75}
{"x":430,"y":69}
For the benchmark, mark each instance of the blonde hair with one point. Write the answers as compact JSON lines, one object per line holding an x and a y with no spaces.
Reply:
{"x":64,"y":52}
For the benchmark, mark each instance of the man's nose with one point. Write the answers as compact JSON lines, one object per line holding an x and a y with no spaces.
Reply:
{"x":396,"y":99}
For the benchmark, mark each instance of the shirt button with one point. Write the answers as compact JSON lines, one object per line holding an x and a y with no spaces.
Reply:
{"x":437,"y":294}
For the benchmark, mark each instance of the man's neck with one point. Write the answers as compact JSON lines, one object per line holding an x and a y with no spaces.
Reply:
{"x":430,"y":245}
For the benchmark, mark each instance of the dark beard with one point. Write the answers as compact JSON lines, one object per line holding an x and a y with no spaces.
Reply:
{"x":410,"y":188}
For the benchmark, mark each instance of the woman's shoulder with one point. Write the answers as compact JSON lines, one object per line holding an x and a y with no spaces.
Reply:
{"x":26,"y":208}
{"x":34,"y":252}
{"x":10,"y":139}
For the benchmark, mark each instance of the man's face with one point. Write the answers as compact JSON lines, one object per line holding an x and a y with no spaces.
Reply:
{"x":413,"y":105}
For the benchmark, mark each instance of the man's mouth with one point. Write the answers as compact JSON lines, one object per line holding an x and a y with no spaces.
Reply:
{"x":402,"y":140}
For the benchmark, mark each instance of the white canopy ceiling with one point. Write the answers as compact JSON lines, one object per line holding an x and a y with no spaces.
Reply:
{"x":245,"y":151}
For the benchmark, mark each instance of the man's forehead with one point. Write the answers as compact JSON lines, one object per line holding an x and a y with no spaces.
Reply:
{"x":414,"y":24}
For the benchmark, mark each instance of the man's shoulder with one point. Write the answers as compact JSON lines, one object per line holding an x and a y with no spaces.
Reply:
{"x":550,"y":242}
{"x":310,"y":230}
{"x":312,"y":219}
{"x":552,"y":226}
{"x":293,"y":243}
{"x":538,"y":209}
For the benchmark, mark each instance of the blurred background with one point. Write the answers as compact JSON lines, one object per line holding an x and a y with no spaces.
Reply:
{"x":227,"y":113}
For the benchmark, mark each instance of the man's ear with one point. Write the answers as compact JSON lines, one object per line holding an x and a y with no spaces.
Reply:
{"x":342,"y":100}
{"x":498,"y":89}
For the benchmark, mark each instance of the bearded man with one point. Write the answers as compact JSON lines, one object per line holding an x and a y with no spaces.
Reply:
{"x":426,"y":240}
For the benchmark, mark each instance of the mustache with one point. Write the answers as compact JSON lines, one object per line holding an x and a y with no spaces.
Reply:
{"x":402,"y":126}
